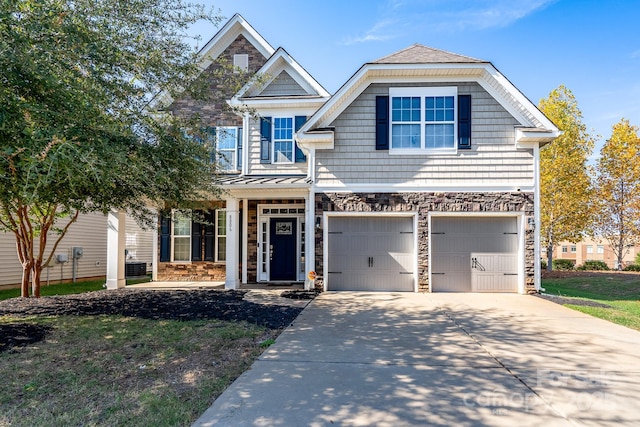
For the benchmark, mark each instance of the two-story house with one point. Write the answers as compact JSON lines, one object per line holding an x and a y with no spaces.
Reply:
{"x":419,"y":174}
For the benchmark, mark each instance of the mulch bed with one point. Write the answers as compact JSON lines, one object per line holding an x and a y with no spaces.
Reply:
{"x":149,"y":304}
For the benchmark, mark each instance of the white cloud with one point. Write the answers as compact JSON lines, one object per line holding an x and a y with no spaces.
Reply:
{"x":404,"y":16}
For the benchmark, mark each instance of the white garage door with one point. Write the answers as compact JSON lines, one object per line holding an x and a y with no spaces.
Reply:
{"x":370,"y":253}
{"x":474,"y":254}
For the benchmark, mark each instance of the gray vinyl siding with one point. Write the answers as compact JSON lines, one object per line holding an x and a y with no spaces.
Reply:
{"x":492,"y":160}
{"x":257,"y":168}
{"x":139,"y":244}
{"x":88,"y":232}
{"x":283,"y":85}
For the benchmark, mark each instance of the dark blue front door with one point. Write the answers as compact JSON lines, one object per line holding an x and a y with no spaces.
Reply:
{"x":283,"y":249}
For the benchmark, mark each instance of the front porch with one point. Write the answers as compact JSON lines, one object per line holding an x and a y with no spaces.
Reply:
{"x":253,"y":238}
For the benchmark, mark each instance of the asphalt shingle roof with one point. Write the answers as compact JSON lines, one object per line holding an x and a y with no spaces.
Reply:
{"x":420,"y":54}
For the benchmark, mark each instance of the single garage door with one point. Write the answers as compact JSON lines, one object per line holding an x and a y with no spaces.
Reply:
{"x":474,"y":254}
{"x":370,"y":253}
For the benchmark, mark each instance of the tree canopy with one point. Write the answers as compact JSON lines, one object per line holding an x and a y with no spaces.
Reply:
{"x":565,"y":181}
{"x":76,"y":133}
{"x":618,"y":190}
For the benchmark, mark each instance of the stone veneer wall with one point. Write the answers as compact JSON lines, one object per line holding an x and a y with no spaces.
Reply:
{"x":216,"y":112}
{"x":424,"y":203}
{"x":197,"y":271}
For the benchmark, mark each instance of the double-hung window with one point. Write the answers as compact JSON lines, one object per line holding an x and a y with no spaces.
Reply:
{"x":283,"y":146}
{"x":423,"y":120}
{"x":181,"y":233}
{"x":228,"y":147}
{"x":221,"y":235}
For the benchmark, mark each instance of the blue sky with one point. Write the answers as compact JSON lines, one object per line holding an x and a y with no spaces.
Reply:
{"x":590,"y":46}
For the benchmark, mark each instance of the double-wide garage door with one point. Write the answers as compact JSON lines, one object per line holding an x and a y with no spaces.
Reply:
{"x":370,"y":253}
{"x":474,"y":254}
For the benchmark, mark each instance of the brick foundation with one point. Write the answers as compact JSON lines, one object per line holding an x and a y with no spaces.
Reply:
{"x":197,"y":271}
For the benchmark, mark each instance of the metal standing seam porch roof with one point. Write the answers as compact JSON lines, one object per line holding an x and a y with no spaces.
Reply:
{"x":263,"y":181}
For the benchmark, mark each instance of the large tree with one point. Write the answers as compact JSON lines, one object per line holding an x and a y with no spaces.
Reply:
{"x":618,"y":190}
{"x":565,"y":178}
{"x":76,"y":131}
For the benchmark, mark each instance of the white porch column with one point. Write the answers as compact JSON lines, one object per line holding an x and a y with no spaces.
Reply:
{"x":232,"y":281}
{"x":116,"y":227}
{"x":245,"y":238}
{"x":310,"y":237}
{"x":154,"y":252}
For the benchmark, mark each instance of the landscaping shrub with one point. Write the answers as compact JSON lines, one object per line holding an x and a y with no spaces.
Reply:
{"x":563,"y":264}
{"x":594,"y":266}
{"x":632,"y":267}
{"x":543,"y":264}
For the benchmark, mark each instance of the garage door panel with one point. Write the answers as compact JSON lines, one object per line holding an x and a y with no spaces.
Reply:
{"x":370,"y":253}
{"x":454,"y":239}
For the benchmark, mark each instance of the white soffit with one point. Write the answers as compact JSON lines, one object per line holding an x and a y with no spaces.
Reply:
{"x":280,"y":61}
{"x":483,"y":73}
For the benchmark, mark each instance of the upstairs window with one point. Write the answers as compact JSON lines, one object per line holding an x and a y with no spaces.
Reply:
{"x":423,"y":119}
{"x":228,"y":147}
{"x":283,"y":147}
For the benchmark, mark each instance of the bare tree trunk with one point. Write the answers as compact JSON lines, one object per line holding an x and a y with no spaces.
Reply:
{"x":37,"y":271}
{"x":550,"y":257}
{"x":26,"y":279}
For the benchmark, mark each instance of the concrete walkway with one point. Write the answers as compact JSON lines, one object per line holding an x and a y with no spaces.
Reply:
{"x":364,"y":359}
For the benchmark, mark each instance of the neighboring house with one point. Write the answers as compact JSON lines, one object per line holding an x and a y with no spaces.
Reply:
{"x":593,"y":250}
{"x":88,"y":233}
{"x":419,"y":174}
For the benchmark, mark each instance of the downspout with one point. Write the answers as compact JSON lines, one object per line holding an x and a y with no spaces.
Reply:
{"x":310,"y":231}
{"x":537,"y":222}
{"x":245,"y":143}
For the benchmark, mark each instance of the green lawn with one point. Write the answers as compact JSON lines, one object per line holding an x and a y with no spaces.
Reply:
{"x":66,"y":288}
{"x":621,"y":292}
{"x":122,"y":371}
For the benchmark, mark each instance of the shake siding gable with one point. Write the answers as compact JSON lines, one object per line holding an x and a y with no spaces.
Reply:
{"x":283,"y":85}
{"x":492,"y":158}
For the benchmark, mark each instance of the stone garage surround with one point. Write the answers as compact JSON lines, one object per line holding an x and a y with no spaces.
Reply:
{"x":425,"y":203}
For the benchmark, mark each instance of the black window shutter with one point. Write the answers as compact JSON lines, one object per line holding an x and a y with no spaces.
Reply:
{"x":239,"y":146}
{"x":165,"y":237}
{"x":382,"y":122}
{"x":299,"y":121}
{"x":209,"y":235}
{"x":265,"y":139}
{"x":196,"y":238}
{"x":464,"y":122}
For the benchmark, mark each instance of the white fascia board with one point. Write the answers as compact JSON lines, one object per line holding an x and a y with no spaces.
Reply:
{"x":219,"y":42}
{"x":319,"y":140}
{"x":311,"y":105}
{"x":530,"y":137}
{"x":228,"y":33}
{"x":259,"y":192}
{"x":484,"y":74}
{"x":279,"y":61}
{"x":414,"y":188}
{"x":517,"y":100}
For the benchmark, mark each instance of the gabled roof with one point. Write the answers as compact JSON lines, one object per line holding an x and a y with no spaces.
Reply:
{"x":280,"y":62}
{"x":421,"y":54}
{"x":230,"y":31}
{"x":419,"y":63}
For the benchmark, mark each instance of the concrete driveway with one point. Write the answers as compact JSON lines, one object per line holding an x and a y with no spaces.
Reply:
{"x":390,"y":359}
